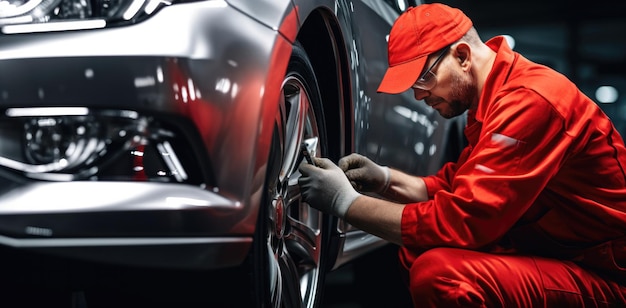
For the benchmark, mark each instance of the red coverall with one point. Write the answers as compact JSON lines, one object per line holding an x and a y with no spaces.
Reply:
{"x":534,"y":211}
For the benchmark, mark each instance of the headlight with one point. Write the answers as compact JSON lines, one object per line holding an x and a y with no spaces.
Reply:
{"x":75,"y":14}
{"x":66,"y":144}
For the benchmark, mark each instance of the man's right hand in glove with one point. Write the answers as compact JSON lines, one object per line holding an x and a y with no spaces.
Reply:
{"x":364,"y":174}
{"x":325,"y":187}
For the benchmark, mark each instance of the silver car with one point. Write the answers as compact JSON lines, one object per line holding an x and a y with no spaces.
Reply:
{"x":149,"y":149}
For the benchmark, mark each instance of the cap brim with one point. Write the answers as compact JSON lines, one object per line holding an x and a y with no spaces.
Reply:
{"x":401,"y":77}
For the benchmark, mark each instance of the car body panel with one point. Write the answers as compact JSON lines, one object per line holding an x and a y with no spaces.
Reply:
{"x":217,"y":71}
{"x":151,"y":66}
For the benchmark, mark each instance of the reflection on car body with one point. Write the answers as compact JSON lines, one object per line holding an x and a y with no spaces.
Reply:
{"x":157,"y":144}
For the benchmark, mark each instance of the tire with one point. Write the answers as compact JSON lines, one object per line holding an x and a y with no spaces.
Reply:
{"x":291,"y":237}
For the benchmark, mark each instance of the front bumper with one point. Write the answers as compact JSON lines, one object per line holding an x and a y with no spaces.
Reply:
{"x":177,"y":66}
{"x":143,"y":224}
{"x":151,"y":224}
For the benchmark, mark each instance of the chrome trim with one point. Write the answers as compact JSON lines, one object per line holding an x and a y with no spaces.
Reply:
{"x":56,"y":26}
{"x":85,"y":242}
{"x":81,"y":197}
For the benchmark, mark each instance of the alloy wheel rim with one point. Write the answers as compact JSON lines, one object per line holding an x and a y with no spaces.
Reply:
{"x":294,"y":237}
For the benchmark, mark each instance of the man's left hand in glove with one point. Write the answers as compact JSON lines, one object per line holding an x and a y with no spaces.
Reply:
{"x":326,"y":187}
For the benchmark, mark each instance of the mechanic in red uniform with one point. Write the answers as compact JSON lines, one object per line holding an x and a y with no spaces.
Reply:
{"x":533,"y":213}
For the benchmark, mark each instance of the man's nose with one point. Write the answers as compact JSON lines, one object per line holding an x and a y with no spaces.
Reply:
{"x":420,"y":94}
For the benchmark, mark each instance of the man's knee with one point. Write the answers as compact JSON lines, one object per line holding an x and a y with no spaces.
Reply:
{"x":432,"y":263}
{"x":436,"y":280}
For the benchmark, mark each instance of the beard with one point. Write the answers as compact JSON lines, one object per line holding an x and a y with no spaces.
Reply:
{"x":461,"y":96}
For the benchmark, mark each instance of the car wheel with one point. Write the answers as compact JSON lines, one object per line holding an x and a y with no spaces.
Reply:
{"x":291,"y":236}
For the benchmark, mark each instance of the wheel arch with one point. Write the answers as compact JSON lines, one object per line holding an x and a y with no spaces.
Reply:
{"x":321,"y":37}
{"x":325,"y":43}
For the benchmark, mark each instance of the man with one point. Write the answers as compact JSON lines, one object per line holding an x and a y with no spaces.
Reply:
{"x":533,"y":213}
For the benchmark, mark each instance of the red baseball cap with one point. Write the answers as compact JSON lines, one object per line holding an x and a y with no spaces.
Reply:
{"x":417,"y":33}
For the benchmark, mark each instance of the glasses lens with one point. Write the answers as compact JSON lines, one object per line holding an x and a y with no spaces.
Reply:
{"x":427,"y":81}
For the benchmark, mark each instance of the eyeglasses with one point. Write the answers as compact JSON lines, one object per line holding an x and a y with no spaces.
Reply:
{"x":428,"y":80}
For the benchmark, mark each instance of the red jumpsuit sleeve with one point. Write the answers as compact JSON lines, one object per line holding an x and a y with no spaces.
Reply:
{"x":442,"y":179}
{"x":521,"y":145}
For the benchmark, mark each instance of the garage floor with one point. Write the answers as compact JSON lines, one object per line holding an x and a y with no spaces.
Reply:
{"x":372,"y":281}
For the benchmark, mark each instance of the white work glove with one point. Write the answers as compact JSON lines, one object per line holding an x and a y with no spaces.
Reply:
{"x":325,"y":187}
{"x":364,"y":174}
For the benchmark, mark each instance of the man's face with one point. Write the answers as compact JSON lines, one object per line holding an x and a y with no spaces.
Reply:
{"x":460,"y":93}
{"x":449,"y":89}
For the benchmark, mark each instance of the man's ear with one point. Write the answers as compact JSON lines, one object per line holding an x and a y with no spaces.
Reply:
{"x":463,"y":54}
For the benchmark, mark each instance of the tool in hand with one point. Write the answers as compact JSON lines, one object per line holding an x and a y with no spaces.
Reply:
{"x":307,"y":147}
